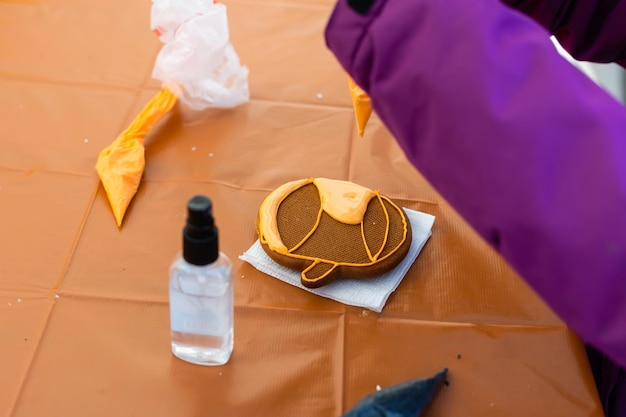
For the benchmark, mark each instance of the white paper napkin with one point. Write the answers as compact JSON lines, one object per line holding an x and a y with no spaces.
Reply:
{"x":371,"y":293}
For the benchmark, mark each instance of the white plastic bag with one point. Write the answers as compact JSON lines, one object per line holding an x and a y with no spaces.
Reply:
{"x":197,"y":61}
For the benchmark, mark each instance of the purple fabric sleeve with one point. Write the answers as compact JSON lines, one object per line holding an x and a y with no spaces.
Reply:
{"x":527,"y":149}
{"x":590,"y":30}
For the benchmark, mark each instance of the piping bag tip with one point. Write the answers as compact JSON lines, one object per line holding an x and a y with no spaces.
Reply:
{"x":120,"y":165}
{"x":362,"y":105}
{"x":120,"y":169}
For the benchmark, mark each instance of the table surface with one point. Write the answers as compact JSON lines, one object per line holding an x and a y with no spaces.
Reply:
{"x":84,"y":305}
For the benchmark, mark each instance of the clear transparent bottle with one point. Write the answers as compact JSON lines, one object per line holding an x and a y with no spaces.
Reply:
{"x":201,"y":292}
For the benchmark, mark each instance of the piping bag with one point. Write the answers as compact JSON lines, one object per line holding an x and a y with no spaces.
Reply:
{"x":197,"y":66}
{"x":407,"y":399}
{"x":362,"y":105}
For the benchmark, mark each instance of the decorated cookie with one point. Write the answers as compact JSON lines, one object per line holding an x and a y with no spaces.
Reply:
{"x":330,"y":229}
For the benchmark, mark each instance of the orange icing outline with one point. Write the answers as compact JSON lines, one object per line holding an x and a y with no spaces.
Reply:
{"x":267,"y":225}
{"x":369,"y":254}
{"x":337,"y":264}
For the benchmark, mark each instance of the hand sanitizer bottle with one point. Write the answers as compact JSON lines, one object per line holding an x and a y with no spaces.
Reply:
{"x":201,"y":292}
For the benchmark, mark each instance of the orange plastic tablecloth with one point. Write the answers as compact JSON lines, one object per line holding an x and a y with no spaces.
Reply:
{"x":84,"y":305}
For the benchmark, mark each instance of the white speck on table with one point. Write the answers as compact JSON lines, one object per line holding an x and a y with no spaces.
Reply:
{"x":193,"y":148}
{"x":378,"y":388}
{"x":320,"y":95}
{"x":211,"y":154}
{"x":86,"y":140}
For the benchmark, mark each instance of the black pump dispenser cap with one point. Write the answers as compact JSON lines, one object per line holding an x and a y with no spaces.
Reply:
{"x":200,"y":234}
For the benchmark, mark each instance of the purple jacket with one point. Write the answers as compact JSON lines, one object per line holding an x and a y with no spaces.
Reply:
{"x":527,"y":149}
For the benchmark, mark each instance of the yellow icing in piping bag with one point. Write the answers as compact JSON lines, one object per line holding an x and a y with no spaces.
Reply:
{"x":362,"y":105}
{"x":120,"y":165}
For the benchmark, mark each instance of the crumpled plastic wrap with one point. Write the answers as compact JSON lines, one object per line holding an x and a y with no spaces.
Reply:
{"x":197,"y":61}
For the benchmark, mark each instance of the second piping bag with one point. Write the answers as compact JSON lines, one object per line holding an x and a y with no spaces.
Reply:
{"x":197,"y":65}
{"x":362,"y":105}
